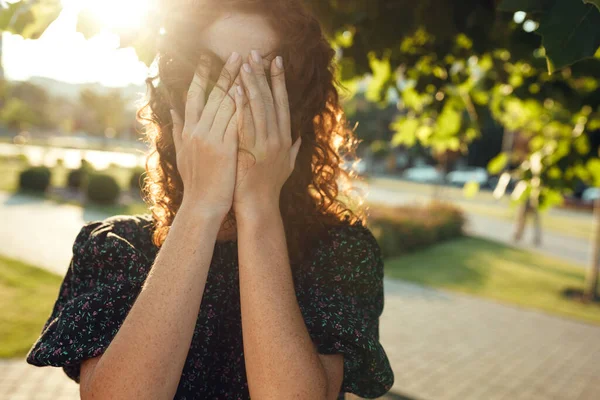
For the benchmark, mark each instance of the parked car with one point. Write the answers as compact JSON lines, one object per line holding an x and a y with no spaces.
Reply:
{"x":424,"y":174}
{"x":590,"y":195}
{"x":471,"y":174}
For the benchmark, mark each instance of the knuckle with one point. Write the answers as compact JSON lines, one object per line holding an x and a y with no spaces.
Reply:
{"x":225,"y":77}
{"x":227,"y":104}
{"x":282,"y":101}
{"x":268,"y":99}
{"x":195,"y":91}
{"x":273,"y":142}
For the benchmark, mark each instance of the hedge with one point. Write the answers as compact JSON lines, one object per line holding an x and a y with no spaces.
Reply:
{"x":35,"y":179}
{"x":400,"y":230}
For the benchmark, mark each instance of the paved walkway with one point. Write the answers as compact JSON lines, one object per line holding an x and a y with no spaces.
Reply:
{"x":441,"y":345}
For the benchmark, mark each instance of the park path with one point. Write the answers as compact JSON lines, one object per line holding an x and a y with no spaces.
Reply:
{"x":441,"y":345}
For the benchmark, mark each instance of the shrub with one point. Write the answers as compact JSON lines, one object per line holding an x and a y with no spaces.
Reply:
{"x":77,"y":178}
{"x":102,"y":188}
{"x":35,"y":179}
{"x":400,"y":230}
{"x":136,"y":182}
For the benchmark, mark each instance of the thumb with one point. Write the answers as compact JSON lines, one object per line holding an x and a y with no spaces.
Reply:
{"x":294,"y":152}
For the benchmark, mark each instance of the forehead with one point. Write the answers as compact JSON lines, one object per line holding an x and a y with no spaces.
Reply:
{"x":241,"y":33}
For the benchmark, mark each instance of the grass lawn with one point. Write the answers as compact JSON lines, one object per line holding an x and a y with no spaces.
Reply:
{"x":27,"y":294}
{"x":492,"y":270}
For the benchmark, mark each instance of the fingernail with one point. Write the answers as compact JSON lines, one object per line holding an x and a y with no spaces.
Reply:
{"x":255,"y":56}
{"x":240,"y":90}
{"x":247,"y":68}
{"x":279,"y":62}
{"x":234,"y":57}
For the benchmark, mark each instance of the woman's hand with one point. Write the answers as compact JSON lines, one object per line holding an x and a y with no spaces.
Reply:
{"x":267,"y":156}
{"x":207,"y":142}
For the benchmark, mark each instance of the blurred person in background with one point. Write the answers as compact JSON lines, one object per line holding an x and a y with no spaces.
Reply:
{"x":250,"y":277}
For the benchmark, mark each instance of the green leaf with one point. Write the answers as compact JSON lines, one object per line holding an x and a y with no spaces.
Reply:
{"x":471,"y":189}
{"x":594,"y":2}
{"x":29,"y":19}
{"x":593,"y":166}
{"x":570,"y":32}
{"x":550,"y":198}
{"x":525,"y":5}
{"x":497,"y":164}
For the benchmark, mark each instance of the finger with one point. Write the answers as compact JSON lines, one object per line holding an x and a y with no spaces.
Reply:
{"x":245,"y":122}
{"x":219,"y":92}
{"x":257,"y":105}
{"x":196,"y":95}
{"x":231,"y":133}
{"x":177,"y":129}
{"x":294,"y":152}
{"x":281,"y":101}
{"x":224,"y":114}
{"x":256,"y":62}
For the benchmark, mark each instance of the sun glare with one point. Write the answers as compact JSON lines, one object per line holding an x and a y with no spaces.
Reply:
{"x":119,"y":14}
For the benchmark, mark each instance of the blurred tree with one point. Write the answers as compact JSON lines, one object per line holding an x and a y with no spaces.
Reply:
{"x":103,"y":114}
{"x":16,"y":114}
{"x":36,"y":98}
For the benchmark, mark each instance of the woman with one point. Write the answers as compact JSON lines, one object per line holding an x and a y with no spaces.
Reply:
{"x":251,"y":278}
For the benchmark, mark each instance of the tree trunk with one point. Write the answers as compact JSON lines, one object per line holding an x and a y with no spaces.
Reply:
{"x":591,"y":290}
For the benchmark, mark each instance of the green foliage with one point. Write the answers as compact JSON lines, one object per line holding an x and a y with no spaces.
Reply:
{"x":594,"y":2}
{"x":29,"y":18}
{"x":17,"y":114}
{"x":103,"y":111}
{"x":77,"y":178}
{"x":570,"y":29}
{"x":400,"y":230}
{"x":102,"y":189}
{"x":35,"y":179}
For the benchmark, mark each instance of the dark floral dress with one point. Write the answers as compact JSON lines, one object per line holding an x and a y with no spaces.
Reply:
{"x":340,"y":293}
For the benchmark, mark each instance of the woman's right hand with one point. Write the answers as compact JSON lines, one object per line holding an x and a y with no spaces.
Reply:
{"x":207,"y":141}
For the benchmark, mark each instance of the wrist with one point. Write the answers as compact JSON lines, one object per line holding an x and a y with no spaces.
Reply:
{"x":189,"y":211}
{"x":257,"y":212}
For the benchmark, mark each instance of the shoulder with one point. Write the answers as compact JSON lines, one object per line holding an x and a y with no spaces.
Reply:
{"x":134,"y":229}
{"x":349,"y":253}
{"x":121,"y":243}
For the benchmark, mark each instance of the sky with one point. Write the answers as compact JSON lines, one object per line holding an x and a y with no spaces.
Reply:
{"x":65,"y":55}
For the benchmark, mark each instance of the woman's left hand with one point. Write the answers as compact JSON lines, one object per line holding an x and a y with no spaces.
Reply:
{"x":267,"y":157}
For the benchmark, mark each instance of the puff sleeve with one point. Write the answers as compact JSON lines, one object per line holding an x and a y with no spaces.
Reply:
{"x":105,"y":275}
{"x":341,"y":299}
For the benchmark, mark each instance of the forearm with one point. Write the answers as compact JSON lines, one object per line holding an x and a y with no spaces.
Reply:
{"x":146,"y":357}
{"x":281,"y":360}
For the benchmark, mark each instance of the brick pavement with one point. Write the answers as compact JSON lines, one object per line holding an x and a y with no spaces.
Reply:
{"x":442,"y":346}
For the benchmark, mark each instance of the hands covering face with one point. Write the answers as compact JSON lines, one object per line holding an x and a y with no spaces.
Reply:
{"x":235,"y":149}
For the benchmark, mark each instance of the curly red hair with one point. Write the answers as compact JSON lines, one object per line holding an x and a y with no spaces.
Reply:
{"x":318,"y":192}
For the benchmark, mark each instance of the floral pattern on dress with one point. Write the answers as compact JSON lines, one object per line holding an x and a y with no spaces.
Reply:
{"x":339,"y":290}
